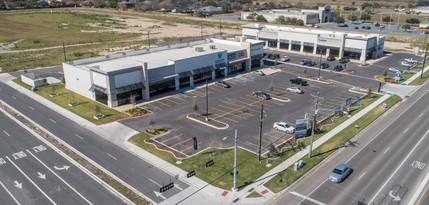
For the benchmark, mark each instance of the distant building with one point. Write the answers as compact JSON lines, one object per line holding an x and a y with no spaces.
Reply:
{"x":423,"y":10}
{"x":355,"y":46}
{"x":323,"y":15}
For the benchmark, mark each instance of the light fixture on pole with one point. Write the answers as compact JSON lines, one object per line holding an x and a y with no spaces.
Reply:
{"x":314,"y":124}
{"x":261,"y":119}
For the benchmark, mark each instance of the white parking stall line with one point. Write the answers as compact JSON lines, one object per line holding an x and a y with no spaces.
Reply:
{"x":112,"y":156}
{"x":420,"y":115}
{"x":78,"y":136}
{"x":59,"y":177}
{"x":155,"y":182}
{"x":405,"y":130}
{"x":10,"y":194}
{"x":52,"y":120}
{"x":31,"y":107}
{"x":31,"y":181}
{"x":386,"y":150}
{"x":6,"y":133}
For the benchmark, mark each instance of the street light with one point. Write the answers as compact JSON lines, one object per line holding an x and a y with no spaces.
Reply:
{"x":207,"y":99}
{"x":320,"y":63}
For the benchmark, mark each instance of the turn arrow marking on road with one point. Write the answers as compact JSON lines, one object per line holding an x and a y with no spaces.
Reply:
{"x":18,"y":185}
{"x":41,"y":176}
{"x":395,"y":197}
{"x":159,"y":195}
{"x":62,"y":168}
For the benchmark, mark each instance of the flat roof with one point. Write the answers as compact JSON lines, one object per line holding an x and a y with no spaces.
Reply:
{"x":306,"y":30}
{"x":158,"y":59}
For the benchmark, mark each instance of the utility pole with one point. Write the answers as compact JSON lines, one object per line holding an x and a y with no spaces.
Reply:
{"x":64,"y":51}
{"x":148,"y":37}
{"x":234,"y":188}
{"x":261,"y":118}
{"x":424,"y":59}
{"x":314,"y":123}
{"x":207,"y":99}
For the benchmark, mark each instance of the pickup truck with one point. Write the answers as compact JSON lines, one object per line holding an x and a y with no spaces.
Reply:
{"x":299,"y":81}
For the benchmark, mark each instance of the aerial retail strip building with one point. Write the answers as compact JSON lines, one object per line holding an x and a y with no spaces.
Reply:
{"x":115,"y":80}
{"x":360,"y":47}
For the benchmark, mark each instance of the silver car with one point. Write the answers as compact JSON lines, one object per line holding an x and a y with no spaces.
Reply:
{"x":341,"y":172}
{"x":295,"y":90}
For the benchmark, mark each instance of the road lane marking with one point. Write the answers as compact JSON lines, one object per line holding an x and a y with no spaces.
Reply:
{"x":10,"y":194}
{"x":405,"y":130}
{"x":78,"y":136}
{"x":396,"y":170}
{"x":61,"y":179}
{"x":31,"y":107}
{"x":421,"y":196}
{"x":420,"y":115}
{"x":112,"y":156}
{"x":155,"y":182}
{"x":31,"y":181}
{"x":386,"y":150}
{"x":6,"y":133}
{"x":307,"y":198}
{"x":361,"y":176}
{"x":52,"y":120}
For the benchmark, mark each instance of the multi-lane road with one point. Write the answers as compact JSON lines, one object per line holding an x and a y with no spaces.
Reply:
{"x":389,"y":159}
{"x":31,"y":172}
{"x":137,"y":173}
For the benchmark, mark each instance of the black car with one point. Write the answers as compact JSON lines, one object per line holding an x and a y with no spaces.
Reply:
{"x":223,"y":84}
{"x":377,"y":24}
{"x":363,"y":27}
{"x":324,"y":65}
{"x":273,"y":56}
{"x":331,"y":58}
{"x":338,"y":68}
{"x":307,"y":62}
{"x":342,"y":25}
{"x":356,"y":27}
{"x":260,"y":94}
{"x":299,"y":81}
{"x":368,"y":27}
{"x":344,"y":60}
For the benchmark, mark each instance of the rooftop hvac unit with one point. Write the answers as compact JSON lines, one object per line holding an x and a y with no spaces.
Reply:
{"x":199,"y":49}
{"x":212,"y":47}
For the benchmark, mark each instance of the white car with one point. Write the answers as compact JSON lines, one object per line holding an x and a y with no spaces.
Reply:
{"x":285,"y":58}
{"x":295,"y":90}
{"x":395,"y":69}
{"x":411,"y":60}
{"x":407,"y":64}
{"x":283,"y":126}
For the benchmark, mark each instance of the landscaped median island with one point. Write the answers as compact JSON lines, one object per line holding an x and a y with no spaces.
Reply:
{"x":82,"y":106}
{"x":210,"y":122}
{"x":288,"y":176}
{"x":249,"y":168}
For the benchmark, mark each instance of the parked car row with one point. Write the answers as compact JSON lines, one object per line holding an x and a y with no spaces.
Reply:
{"x":409,"y":62}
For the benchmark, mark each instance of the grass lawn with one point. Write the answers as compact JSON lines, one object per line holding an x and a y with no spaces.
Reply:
{"x":419,"y":80}
{"x":85,"y":107}
{"x":288,"y":176}
{"x":254,"y":194}
{"x":36,"y":30}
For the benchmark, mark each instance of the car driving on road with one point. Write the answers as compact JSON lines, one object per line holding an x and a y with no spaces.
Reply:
{"x":283,"y":126}
{"x":340,"y":172}
{"x":295,"y":90}
{"x":260,"y":94}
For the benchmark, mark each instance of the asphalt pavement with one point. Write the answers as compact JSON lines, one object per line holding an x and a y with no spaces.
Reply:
{"x":389,"y":160}
{"x":34,"y":173}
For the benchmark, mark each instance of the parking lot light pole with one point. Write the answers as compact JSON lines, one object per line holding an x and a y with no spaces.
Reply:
{"x":261,"y":118}
{"x":207,"y":99}
{"x":234,"y":188}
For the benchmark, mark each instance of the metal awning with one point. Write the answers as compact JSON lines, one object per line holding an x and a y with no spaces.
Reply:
{"x":238,"y":60}
{"x":202,"y":70}
{"x":221,"y":66}
{"x":185,"y":74}
{"x":127,"y":88}
{"x":97,"y":88}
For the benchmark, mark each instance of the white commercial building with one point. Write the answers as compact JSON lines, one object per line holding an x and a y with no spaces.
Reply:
{"x":355,"y":46}
{"x":115,"y":79}
{"x":322,"y":15}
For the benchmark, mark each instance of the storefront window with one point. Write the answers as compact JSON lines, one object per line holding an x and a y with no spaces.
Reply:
{"x":125,"y":98}
{"x":184,"y":82}
{"x":162,"y":87}
{"x":101,"y":97}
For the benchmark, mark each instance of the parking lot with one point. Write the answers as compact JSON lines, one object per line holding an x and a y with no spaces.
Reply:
{"x":241,"y":111}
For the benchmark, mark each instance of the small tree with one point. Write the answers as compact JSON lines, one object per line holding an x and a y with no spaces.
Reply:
{"x":305,"y":71}
{"x":133,"y":99}
{"x":272,"y":150}
{"x":151,"y":123}
{"x":364,"y":17}
{"x":406,"y":27}
{"x":387,"y":19}
{"x":53,"y":89}
{"x":261,"y":18}
{"x":369,"y":94}
{"x":73,"y":100}
{"x":413,"y":21}
{"x":96,"y":109}
{"x":271,"y":88}
{"x":281,"y":19}
{"x":300,"y":22}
